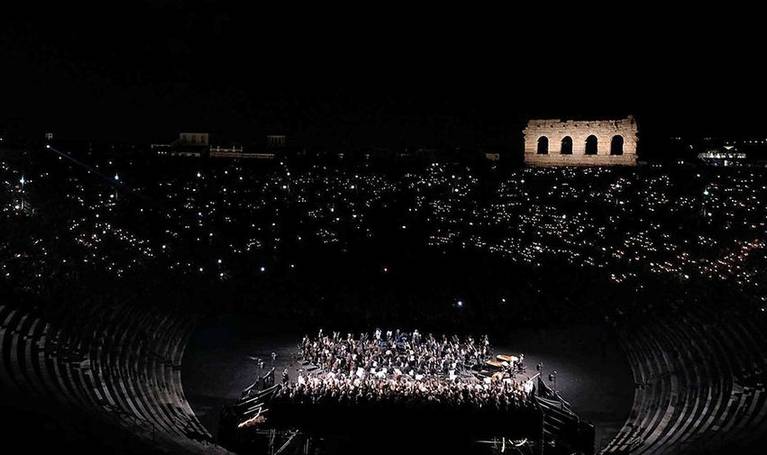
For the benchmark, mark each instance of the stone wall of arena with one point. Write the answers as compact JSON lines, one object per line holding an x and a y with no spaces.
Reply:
{"x":579,"y":130}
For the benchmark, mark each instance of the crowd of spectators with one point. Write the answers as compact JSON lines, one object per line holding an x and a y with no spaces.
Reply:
{"x":435,"y":243}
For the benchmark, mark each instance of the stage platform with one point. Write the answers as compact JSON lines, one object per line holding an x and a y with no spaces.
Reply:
{"x":592,"y":375}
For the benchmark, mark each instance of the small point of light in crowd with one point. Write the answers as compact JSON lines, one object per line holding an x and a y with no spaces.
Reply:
{"x":220,"y":261}
{"x":117,"y":177}
{"x":459,"y":303}
{"x":201,"y":269}
{"x":386,"y":269}
{"x":263,"y":269}
{"x":292,"y":266}
{"x":49,"y":146}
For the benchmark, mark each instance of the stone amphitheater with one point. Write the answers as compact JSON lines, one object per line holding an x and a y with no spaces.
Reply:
{"x":110,"y":364}
{"x":699,"y":379}
{"x":699,"y":386}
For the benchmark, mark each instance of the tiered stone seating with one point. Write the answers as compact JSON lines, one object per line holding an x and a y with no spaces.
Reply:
{"x":688,"y":394}
{"x":115,"y":363}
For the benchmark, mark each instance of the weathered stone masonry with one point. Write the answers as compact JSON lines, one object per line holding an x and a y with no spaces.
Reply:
{"x":581,"y":142}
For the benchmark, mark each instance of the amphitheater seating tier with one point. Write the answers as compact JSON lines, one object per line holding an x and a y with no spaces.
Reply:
{"x":120,"y":364}
{"x":690,"y":394}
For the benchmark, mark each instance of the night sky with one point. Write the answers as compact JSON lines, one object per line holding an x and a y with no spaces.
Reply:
{"x":141,"y":71}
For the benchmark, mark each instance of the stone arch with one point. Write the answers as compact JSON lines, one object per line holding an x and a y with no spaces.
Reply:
{"x":592,"y":145}
{"x":616,"y":145}
{"x":543,"y":145}
{"x":592,"y":141}
{"x":567,"y":146}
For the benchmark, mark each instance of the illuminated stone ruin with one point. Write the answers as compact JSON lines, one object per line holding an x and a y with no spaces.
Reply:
{"x":581,"y":142}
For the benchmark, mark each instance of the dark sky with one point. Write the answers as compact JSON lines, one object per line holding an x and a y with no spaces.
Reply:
{"x":143,"y":70}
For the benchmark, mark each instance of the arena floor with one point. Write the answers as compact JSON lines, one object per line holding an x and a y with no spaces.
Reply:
{"x":592,"y":374}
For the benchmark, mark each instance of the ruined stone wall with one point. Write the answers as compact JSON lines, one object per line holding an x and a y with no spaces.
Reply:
{"x":579,"y":130}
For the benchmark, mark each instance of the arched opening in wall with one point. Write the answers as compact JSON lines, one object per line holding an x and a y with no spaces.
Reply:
{"x":616,"y":145}
{"x":591,"y":145}
{"x":543,"y":145}
{"x":567,"y":146}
